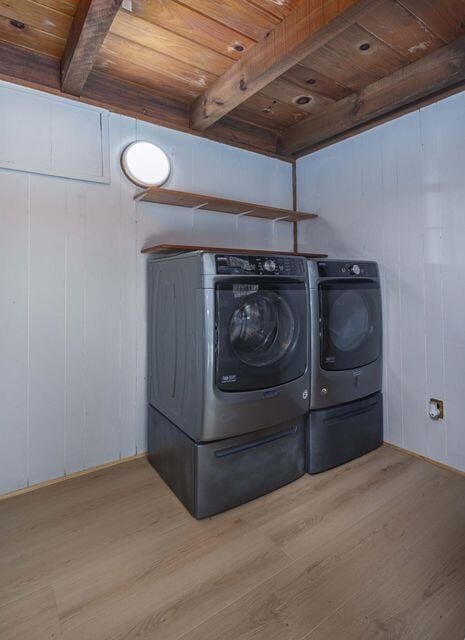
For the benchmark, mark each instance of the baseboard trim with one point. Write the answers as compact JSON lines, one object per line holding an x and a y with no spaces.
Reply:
{"x":106,"y":465}
{"x":441,"y":465}
{"x":70,"y":476}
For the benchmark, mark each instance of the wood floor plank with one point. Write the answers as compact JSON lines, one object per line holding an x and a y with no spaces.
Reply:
{"x":44,"y":532}
{"x":33,"y":617}
{"x":159,"y":586}
{"x":372,"y":550}
{"x":298,"y":599}
{"x":273,"y":506}
{"x":410,"y":596}
{"x":330,"y":503}
{"x":320,"y":519}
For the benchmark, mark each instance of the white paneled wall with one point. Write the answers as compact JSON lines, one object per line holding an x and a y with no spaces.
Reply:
{"x":72,"y":279}
{"x":396,"y":194}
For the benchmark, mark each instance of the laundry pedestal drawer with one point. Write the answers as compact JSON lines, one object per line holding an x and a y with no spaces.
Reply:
{"x":212,"y":477}
{"x":345,"y":432}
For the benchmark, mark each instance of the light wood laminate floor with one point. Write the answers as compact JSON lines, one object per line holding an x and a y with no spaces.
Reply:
{"x":372,"y":550}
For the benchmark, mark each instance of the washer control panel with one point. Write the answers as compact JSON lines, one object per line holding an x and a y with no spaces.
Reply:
{"x":258,"y":265}
{"x":330,"y":269}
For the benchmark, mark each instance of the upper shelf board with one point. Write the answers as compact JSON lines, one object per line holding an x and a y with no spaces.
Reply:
{"x":223,"y":205}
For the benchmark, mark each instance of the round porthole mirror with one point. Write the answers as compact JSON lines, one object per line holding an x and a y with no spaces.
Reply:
{"x":145,"y":164}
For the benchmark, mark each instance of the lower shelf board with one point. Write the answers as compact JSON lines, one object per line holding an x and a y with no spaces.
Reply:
{"x":179,"y":248}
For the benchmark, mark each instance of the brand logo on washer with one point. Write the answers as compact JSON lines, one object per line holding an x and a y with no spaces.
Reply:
{"x":230,"y":378}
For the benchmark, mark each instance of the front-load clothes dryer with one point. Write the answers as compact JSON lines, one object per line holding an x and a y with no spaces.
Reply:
{"x":228,"y":357}
{"x":346,"y":331}
{"x":346,"y":418}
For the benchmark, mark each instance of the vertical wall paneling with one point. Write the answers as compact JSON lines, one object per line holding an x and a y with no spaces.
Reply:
{"x":128,"y":300}
{"x":75,"y":325}
{"x":14,"y":240}
{"x":73,"y":280}
{"x":395,"y":194}
{"x":47,"y":206}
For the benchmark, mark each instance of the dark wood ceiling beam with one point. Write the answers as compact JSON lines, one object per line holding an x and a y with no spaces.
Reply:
{"x":307,"y":28}
{"x":409,"y":88}
{"x":91,"y":24}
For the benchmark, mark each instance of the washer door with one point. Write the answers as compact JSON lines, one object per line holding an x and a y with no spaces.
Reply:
{"x":261,"y":333}
{"x":350,"y":324}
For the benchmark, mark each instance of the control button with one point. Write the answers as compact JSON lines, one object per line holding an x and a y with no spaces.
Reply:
{"x":269,"y":265}
{"x":355,"y":269}
{"x":323,"y":391}
{"x":305,"y":394}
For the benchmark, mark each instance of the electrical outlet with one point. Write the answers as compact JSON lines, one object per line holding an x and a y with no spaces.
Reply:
{"x":436,"y":409}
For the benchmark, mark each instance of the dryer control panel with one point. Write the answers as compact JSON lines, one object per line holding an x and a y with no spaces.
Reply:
{"x":336,"y":268}
{"x":262,"y":265}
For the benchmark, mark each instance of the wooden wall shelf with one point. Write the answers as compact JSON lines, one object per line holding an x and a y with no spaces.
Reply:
{"x":179,"y":248}
{"x":223,"y":205}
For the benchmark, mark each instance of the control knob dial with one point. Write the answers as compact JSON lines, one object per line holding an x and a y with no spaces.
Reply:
{"x":269,"y":265}
{"x":355,"y":270}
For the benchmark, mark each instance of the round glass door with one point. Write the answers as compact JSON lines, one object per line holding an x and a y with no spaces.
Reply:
{"x":262,"y":329}
{"x":350,"y":324}
{"x":349,"y":321}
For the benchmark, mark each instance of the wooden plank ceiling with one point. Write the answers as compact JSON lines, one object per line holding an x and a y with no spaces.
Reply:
{"x":281,"y":77}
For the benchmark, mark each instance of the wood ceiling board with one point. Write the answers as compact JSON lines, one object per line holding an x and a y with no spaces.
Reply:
{"x":42,"y":72}
{"x":131,"y":99}
{"x":236,"y":14}
{"x":445,"y":18}
{"x":138,"y":102}
{"x":18,"y":64}
{"x":399,"y":29}
{"x":288,"y":92}
{"x":188,"y":75}
{"x":88,"y":31}
{"x":379,"y":60}
{"x":123,"y":69}
{"x":169,"y":43}
{"x":193,"y":25}
{"x":312,"y":80}
{"x":64,"y":6}
{"x":244,"y":134}
{"x":32,"y":39}
{"x":202,"y":202}
{"x":303,"y":31}
{"x":432,"y":74}
{"x":269,"y":112}
{"x":278,"y":8}
{"x":37,"y":16}
{"x":340,"y":68}
{"x":177,"y":248}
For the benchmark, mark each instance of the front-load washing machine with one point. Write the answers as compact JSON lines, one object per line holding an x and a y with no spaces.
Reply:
{"x":227,"y":375}
{"x":346,"y":416}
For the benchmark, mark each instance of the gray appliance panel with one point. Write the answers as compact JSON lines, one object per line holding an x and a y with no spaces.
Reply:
{"x":331,"y":388}
{"x":209,"y":478}
{"x":181,"y":363}
{"x":176,"y":367}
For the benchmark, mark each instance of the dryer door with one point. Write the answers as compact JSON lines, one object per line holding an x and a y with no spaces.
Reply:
{"x":350,"y":323}
{"x":261,"y":333}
